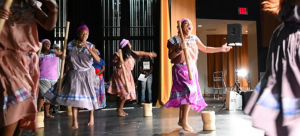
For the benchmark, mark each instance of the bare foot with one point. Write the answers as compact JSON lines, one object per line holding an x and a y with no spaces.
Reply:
{"x":75,"y":126}
{"x":121,"y":114}
{"x":187,"y":127}
{"x":91,"y":122}
{"x":49,"y":116}
{"x":124,"y":112}
{"x":179,"y":123}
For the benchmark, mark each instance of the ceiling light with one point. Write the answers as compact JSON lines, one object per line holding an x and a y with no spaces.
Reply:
{"x":199,"y":25}
{"x":246,"y":31}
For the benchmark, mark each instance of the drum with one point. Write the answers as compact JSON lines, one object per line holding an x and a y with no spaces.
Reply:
{"x":209,"y":120}
{"x":40,"y":119}
{"x":147,"y":107}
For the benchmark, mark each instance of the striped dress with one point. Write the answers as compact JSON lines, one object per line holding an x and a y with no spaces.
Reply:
{"x":48,"y":72}
{"x":79,"y":82}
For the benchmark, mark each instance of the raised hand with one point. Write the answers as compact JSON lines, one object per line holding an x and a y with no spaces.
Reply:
{"x":153,"y":55}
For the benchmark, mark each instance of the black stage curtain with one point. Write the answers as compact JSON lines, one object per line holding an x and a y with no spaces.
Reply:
{"x":89,"y":12}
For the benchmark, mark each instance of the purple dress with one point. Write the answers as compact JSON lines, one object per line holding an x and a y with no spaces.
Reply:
{"x":186,"y":91}
{"x":275,"y":103}
{"x":79,"y":83}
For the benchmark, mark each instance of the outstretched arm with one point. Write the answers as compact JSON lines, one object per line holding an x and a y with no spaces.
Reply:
{"x":206,"y":49}
{"x":48,"y":21}
{"x":142,"y":53}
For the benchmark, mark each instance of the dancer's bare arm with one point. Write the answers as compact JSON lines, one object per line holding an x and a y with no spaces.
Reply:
{"x":101,"y":71}
{"x":48,"y":21}
{"x":206,"y":49}
{"x":142,"y":53}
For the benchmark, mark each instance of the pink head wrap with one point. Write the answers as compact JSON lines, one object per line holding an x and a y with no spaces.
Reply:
{"x":181,"y":21}
{"x":45,"y":40}
{"x":123,"y":43}
{"x":116,"y":53}
{"x":82,"y":28}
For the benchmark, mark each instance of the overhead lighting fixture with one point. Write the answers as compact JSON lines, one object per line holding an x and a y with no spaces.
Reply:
{"x":199,"y":25}
{"x":246,"y":31}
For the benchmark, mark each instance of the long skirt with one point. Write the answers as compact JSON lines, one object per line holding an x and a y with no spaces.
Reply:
{"x":117,"y":85}
{"x":78,"y":90}
{"x":19,"y":88}
{"x":185,"y":91}
{"x":100,"y":90}
{"x":45,"y":85}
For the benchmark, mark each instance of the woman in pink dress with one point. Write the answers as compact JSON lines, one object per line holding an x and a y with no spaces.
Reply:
{"x":275,"y":103}
{"x":19,"y":72}
{"x":117,"y":81}
{"x":186,"y":93}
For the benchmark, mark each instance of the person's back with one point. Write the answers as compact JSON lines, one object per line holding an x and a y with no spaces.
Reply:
{"x":274,"y":104}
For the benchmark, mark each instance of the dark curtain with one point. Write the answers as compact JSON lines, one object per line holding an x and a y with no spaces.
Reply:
{"x":89,"y":12}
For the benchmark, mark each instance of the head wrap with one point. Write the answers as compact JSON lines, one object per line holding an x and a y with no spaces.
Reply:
{"x":45,"y":40}
{"x":82,"y":27}
{"x":116,"y":53}
{"x":123,"y":43}
{"x":181,"y":21}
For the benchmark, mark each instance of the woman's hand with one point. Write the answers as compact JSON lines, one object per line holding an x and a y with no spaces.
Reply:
{"x":153,"y":55}
{"x":226,"y":48}
{"x":88,"y":47}
{"x":62,"y":56}
{"x":183,"y":45}
{"x":4,"y":14}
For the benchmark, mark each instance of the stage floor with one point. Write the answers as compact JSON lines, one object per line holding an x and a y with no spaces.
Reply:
{"x":163,"y":123}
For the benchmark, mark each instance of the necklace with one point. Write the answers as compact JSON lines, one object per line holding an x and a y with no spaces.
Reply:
{"x":78,"y":49}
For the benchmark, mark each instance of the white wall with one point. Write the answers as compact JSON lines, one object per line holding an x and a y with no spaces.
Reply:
{"x":252,"y":54}
{"x":202,"y":67}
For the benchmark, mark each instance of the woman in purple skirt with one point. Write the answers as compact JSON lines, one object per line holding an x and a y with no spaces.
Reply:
{"x":275,"y":103}
{"x":186,"y":93}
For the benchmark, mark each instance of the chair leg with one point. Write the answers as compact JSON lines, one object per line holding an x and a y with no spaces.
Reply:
{"x":214,"y":93}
